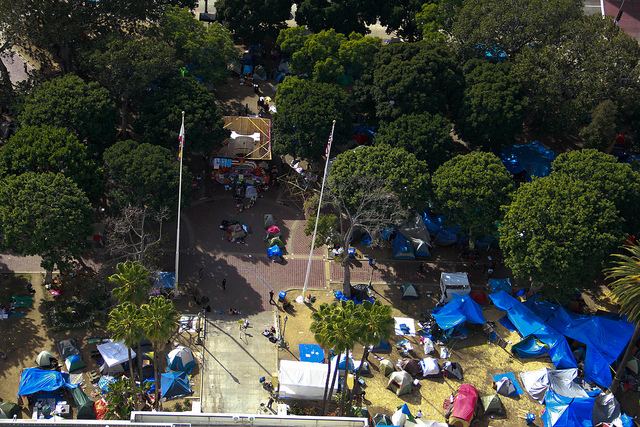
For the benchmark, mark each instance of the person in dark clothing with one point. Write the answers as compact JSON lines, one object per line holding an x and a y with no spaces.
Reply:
{"x":271,"y":301}
{"x":224,"y":284}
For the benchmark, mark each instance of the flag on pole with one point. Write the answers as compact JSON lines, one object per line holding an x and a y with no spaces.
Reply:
{"x":181,"y":139}
{"x":328,"y":150}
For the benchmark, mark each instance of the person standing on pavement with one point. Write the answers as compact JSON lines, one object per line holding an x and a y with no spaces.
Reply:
{"x":271,"y":301}
{"x":224,"y":284}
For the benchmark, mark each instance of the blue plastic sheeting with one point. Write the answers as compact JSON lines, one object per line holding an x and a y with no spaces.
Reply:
{"x":530,"y":347}
{"x":605,"y":338}
{"x":34,"y":380}
{"x":174,"y":384}
{"x":567,"y":412}
{"x":247,"y":69}
{"x":274,"y":251}
{"x":164,"y":279}
{"x":485,"y":242}
{"x":498,"y":285}
{"x":457,"y":311}
{"x":342,"y":362}
{"x":532,"y":157}
{"x":401,"y":248}
{"x":311,"y":353}
{"x":105,"y":382}
{"x":383,"y":347}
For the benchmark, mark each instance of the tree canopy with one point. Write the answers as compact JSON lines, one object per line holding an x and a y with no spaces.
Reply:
{"x":399,"y":16}
{"x":205,"y":50}
{"x":404,"y":175}
{"x":47,"y":149}
{"x":427,"y":136}
{"x":557,"y":232}
{"x":601,"y":172}
{"x":86,"y":109}
{"x":410,"y":78}
{"x":132,"y":282}
{"x":493,"y":108}
{"x":306,"y":111}
{"x":144,"y":175}
{"x":254,"y":20}
{"x":160,"y":115}
{"x":344,"y":16}
{"x":44,"y":214}
{"x":472,"y":189}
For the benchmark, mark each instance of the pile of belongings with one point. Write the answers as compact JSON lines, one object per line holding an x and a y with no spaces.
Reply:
{"x":236,"y":231}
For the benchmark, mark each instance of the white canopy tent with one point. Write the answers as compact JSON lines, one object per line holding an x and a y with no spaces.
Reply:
{"x":303,"y":380}
{"x":115,"y":353}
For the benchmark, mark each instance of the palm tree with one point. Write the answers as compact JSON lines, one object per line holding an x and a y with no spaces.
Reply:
{"x":626,"y":291}
{"x":124,"y":324}
{"x":132,"y":281}
{"x":376,"y":325}
{"x":159,"y":321}
{"x":335,"y":327}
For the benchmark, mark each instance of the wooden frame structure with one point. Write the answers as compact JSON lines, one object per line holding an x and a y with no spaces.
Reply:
{"x":251,"y":138}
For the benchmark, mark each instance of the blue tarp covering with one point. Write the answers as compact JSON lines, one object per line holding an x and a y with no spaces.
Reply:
{"x":164,"y":279}
{"x":383,"y":347}
{"x":274,"y":251}
{"x":401,"y":248}
{"x":567,"y":412}
{"x":530,"y":347}
{"x":457,"y":311}
{"x":34,"y":380}
{"x":439,"y":233}
{"x":498,"y":285}
{"x":311,"y":353}
{"x":532,"y":157}
{"x":605,"y":338}
{"x":174,"y":384}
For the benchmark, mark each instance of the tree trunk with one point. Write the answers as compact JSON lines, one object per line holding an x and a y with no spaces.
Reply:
{"x":124,"y":120}
{"x":472,"y":244}
{"x":140,"y":361}
{"x":344,"y":391}
{"x":623,"y":363}
{"x":133,"y":380}
{"x":155,"y":375}
{"x":346,"y":283}
{"x":356,"y":384}
{"x":333,"y":381}
{"x":326,"y":384}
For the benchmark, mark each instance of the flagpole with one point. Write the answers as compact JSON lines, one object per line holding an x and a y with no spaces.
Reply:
{"x":315,"y":229}
{"x":181,"y":155}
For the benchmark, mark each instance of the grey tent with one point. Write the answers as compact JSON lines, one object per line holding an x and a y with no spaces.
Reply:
{"x":412,"y":366}
{"x":505,"y":386}
{"x":400,"y":382}
{"x":268,"y":221}
{"x":415,"y":231}
{"x":45,"y":359}
{"x":382,"y":420}
{"x":492,"y":405}
{"x":83,"y":404}
{"x":386,"y":366}
{"x":8,"y":409}
{"x":605,"y":410}
{"x":452,"y":370}
{"x":430,"y":367}
{"x":409,"y":291}
{"x":560,"y":381}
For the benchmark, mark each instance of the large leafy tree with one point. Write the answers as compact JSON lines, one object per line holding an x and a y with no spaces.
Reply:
{"x":557,"y":231}
{"x":471,"y":189}
{"x":344,"y":16}
{"x":498,"y":27}
{"x":143,"y":175}
{"x":399,"y":17}
{"x":626,"y":290}
{"x":493,"y":107}
{"x":254,"y":20}
{"x":567,"y":80}
{"x":403,"y":174}
{"x":46,"y":215}
{"x":86,"y":109}
{"x":159,"y":322}
{"x":124,"y":325}
{"x":427,"y":136}
{"x":160,"y":115}
{"x":126,"y":65}
{"x":48,"y":149}
{"x":435,"y":19}
{"x":132,"y":282}
{"x":617,"y":182}
{"x":206,"y":50}
{"x":411,"y":78}
{"x":305,"y":113}
{"x":600,"y":130}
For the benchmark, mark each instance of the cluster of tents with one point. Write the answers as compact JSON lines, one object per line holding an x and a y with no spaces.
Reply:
{"x":275,"y":245}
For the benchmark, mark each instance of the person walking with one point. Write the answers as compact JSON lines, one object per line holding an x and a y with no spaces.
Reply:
{"x":271,"y":301}
{"x":224,"y":284}
{"x":201,"y":273}
{"x":270,"y":402}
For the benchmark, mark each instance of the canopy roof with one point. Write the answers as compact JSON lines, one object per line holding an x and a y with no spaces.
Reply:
{"x":462,"y":308}
{"x":115,"y":353}
{"x":34,"y":380}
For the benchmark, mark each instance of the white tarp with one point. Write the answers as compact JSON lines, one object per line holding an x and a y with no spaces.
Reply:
{"x":303,"y":380}
{"x":409,"y":327}
{"x":560,"y":381}
{"x":114,"y":353}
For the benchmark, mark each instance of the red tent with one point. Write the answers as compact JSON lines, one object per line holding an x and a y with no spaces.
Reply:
{"x":464,"y":406}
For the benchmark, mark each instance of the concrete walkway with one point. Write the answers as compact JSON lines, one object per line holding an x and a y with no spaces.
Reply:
{"x":235,"y":361}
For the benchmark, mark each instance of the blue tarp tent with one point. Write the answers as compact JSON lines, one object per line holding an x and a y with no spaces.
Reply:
{"x":34,"y":380}
{"x":274,"y":251}
{"x":311,"y":353}
{"x":532,"y":157}
{"x":383,"y":347}
{"x":174,"y":384}
{"x":530,"y":347}
{"x":498,"y":285}
{"x":457,"y":311}
{"x":563,"y":411}
{"x":401,"y":248}
{"x":605,"y":338}
{"x":164,"y":279}
{"x":440,"y":234}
